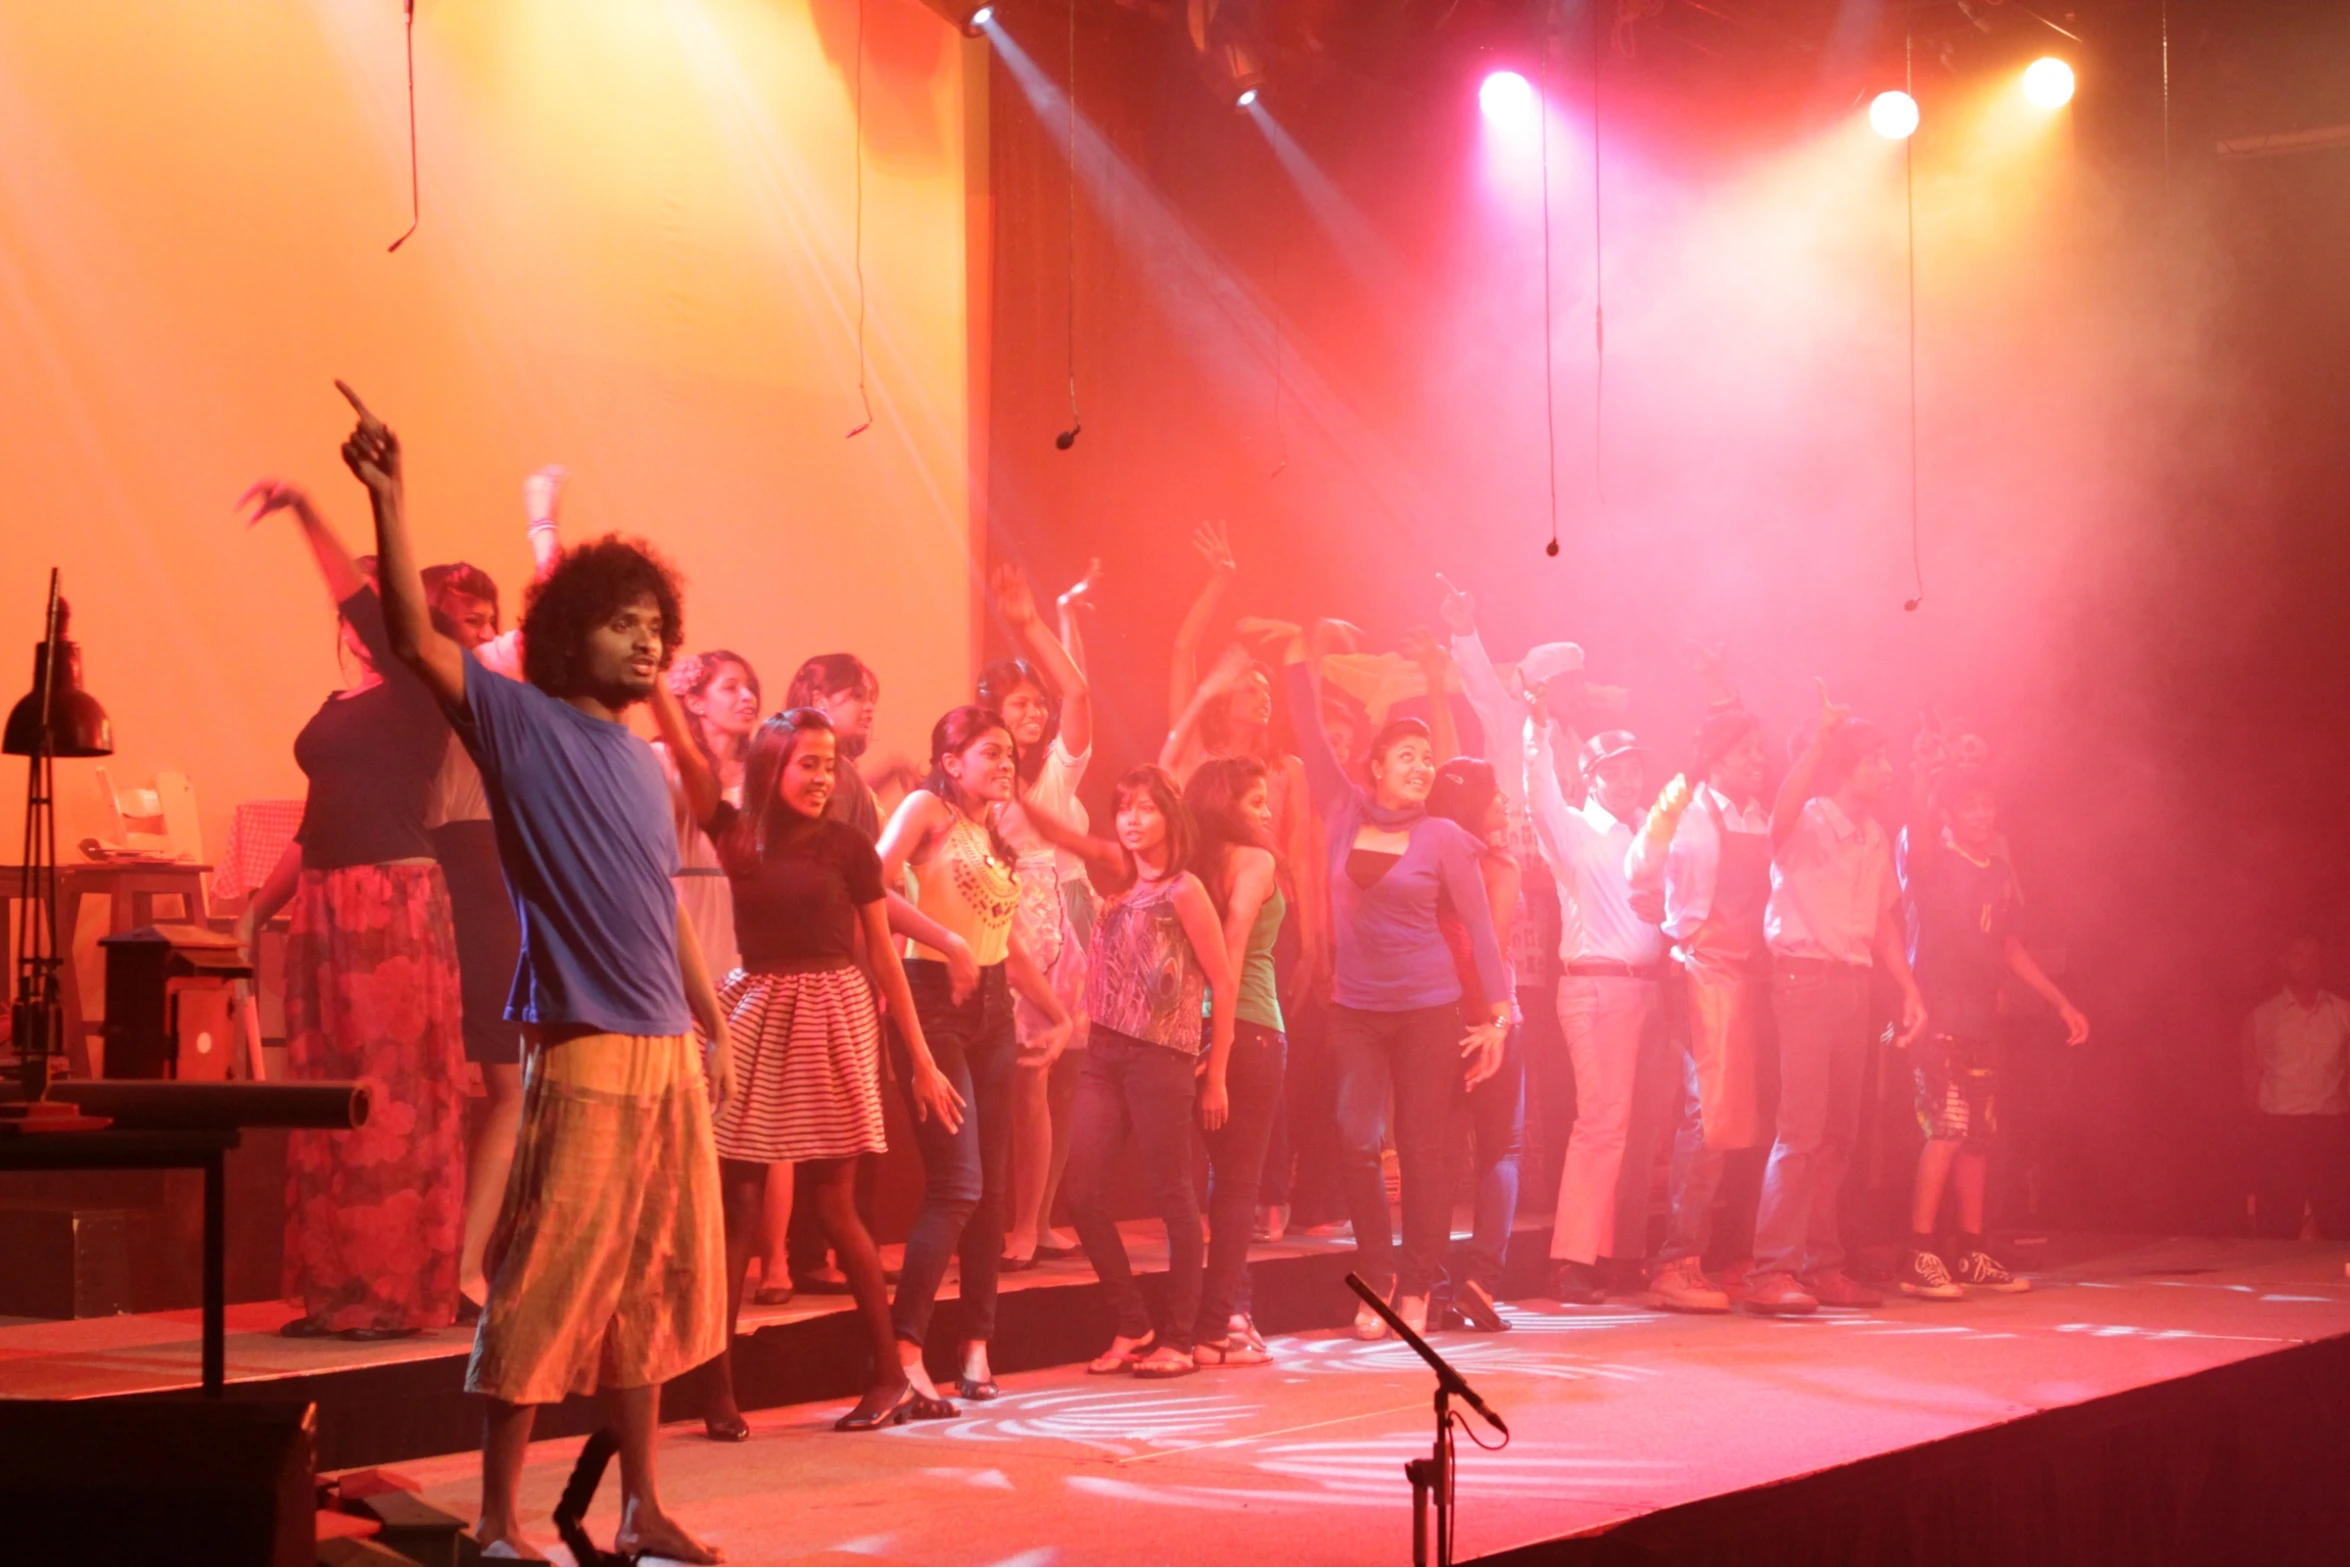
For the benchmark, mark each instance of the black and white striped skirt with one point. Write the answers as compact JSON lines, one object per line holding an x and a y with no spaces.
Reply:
{"x":807,"y":1066}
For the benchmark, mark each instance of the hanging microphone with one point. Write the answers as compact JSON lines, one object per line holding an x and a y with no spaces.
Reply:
{"x":1912,"y":604}
{"x":1067,"y":438}
{"x":1552,"y":548}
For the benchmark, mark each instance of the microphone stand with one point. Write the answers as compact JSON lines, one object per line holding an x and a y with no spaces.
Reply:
{"x":1431,"y":1476}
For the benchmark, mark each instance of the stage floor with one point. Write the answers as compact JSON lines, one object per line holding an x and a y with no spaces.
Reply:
{"x":1616,"y":1411}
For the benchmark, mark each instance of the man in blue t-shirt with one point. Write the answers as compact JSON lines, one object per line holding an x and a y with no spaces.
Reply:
{"x":606,"y":1268}
{"x":1963,"y":901}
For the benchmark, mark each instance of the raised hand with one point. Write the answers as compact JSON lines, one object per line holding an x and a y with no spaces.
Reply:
{"x":1013,"y":595}
{"x":2076,"y":1027}
{"x":1210,"y":539}
{"x":1675,"y":798}
{"x":1422,"y":648}
{"x":1458,"y":610}
{"x":1083,"y":589}
{"x":1258,"y":628}
{"x":1833,"y":715}
{"x":273,"y":495}
{"x":1327,"y":636}
{"x":542,"y":492}
{"x":372,"y":452}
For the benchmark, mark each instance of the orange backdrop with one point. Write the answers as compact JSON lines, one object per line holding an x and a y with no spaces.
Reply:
{"x":638,"y":257}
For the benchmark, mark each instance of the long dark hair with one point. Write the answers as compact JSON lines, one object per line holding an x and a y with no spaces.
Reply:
{"x":1182,"y":832}
{"x":691,"y":676}
{"x":465,"y":579}
{"x":1464,"y":792}
{"x":997,"y":682}
{"x":956,"y":731}
{"x":1213,"y":798}
{"x":764,"y":818}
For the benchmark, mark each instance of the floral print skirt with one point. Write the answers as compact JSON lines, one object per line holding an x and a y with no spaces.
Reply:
{"x":374,"y":1217}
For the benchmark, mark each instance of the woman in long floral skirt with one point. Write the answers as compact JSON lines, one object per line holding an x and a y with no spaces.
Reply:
{"x":374,"y":1217}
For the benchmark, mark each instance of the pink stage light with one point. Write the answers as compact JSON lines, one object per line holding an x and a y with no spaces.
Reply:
{"x":1507,"y":99}
{"x":1893,"y":115}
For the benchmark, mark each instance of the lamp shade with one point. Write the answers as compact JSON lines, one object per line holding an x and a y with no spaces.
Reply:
{"x":77,"y":724}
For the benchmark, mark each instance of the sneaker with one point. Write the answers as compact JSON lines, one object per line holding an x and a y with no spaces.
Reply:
{"x":1683,"y":1286}
{"x":1835,"y":1287}
{"x":1578,"y":1284}
{"x":1980,"y":1270}
{"x":1331,"y":1229}
{"x":1272,"y":1221}
{"x":1925,"y":1277}
{"x":1778,"y":1295}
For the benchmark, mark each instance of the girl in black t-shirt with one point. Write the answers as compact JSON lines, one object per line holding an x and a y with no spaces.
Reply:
{"x":807,"y":1036}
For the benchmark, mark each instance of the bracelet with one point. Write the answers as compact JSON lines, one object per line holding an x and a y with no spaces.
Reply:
{"x":542,"y":525}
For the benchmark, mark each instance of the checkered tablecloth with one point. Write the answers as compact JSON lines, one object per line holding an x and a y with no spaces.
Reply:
{"x":257,"y":836}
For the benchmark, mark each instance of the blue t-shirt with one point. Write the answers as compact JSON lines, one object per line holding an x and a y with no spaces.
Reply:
{"x":583,"y":821}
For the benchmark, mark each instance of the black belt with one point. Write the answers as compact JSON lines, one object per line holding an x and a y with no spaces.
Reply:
{"x":1609,"y":968}
{"x":1815,"y":965}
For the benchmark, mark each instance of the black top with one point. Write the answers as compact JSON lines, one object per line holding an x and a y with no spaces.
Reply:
{"x":798,"y":902}
{"x":371,"y":760}
{"x":1961,"y":912}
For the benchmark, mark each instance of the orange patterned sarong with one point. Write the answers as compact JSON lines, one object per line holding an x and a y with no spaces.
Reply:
{"x":607,"y":1266}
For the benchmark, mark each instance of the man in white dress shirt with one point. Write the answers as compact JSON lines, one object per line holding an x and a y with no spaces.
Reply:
{"x":1609,"y":1009}
{"x":1708,"y":850}
{"x":2297,"y":1072}
{"x":1831,"y":922}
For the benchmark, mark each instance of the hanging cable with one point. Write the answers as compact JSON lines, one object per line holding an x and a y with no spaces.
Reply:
{"x":1598,"y":280}
{"x":1068,"y":438}
{"x":2165,"y":10}
{"x":864,"y":397}
{"x":1550,"y":423}
{"x":1280,"y":432}
{"x":415,"y":196}
{"x":1909,"y":204}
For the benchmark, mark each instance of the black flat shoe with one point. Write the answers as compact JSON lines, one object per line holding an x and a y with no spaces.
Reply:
{"x":376,"y":1335}
{"x":306,"y":1327}
{"x":1015,"y":1264}
{"x":895,"y":1414}
{"x":1476,"y":1308}
{"x":930,"y":1409}
{"x":1050,"y":1253}
{"x":732,"y":1429}
{"x":978,"y":1392}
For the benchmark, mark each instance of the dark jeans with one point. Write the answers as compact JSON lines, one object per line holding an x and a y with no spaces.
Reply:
{"x":1496,"y":1110}
{"x":1550,"y":1092}
{"x":1823,"y":1015}
{"x":1302,"y":1161}
{"x":1236,"y":1158}
{"x":964,"y":1171}
{"x":1419,"y":1053}
{"x":2302,"y":1161}
{"x":1133,"y":1086}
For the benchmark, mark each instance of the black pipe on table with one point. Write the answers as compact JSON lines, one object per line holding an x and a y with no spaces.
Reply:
{"x":194,"y":1107}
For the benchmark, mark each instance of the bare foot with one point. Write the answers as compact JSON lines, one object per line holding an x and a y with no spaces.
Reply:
{"x":648,"y":1533}
{"x":910,"y":1362}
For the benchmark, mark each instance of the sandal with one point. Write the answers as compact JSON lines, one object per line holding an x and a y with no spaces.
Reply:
{"x":1113,"y":1361}
{"x":1233,"y":1351}
{"x":1165,"y":1361}
{"x":1477,"y":1309}
{"x":895,"y":1413}
{"x":924,"y":1407}
{"x":978,"y":1392}
{"x":733,"y":1428}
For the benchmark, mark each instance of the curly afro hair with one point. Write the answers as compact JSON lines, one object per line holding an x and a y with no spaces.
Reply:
{"x":590,"y":583}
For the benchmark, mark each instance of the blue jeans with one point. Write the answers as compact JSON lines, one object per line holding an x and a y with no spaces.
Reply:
{"x":1823,"y":1013}
{"x":1497,"y":1132}
{"x":964,"y":1171}
{"x":1131,"y":1085}
{"x":1236,"y":1161}
{"x":1419,"y":1054}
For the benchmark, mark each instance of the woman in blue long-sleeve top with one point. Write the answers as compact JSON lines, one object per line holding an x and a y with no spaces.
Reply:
{"x":1397,"y":1015}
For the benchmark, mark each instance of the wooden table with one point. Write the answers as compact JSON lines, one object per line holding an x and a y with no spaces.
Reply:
{"x":124,"y":1150}
{"x":130,"y":888}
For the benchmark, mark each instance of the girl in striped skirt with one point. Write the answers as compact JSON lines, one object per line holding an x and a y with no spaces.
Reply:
{"x":807,"y":1037}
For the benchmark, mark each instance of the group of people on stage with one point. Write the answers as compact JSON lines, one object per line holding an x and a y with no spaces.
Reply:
{"x":1316,"y":931}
